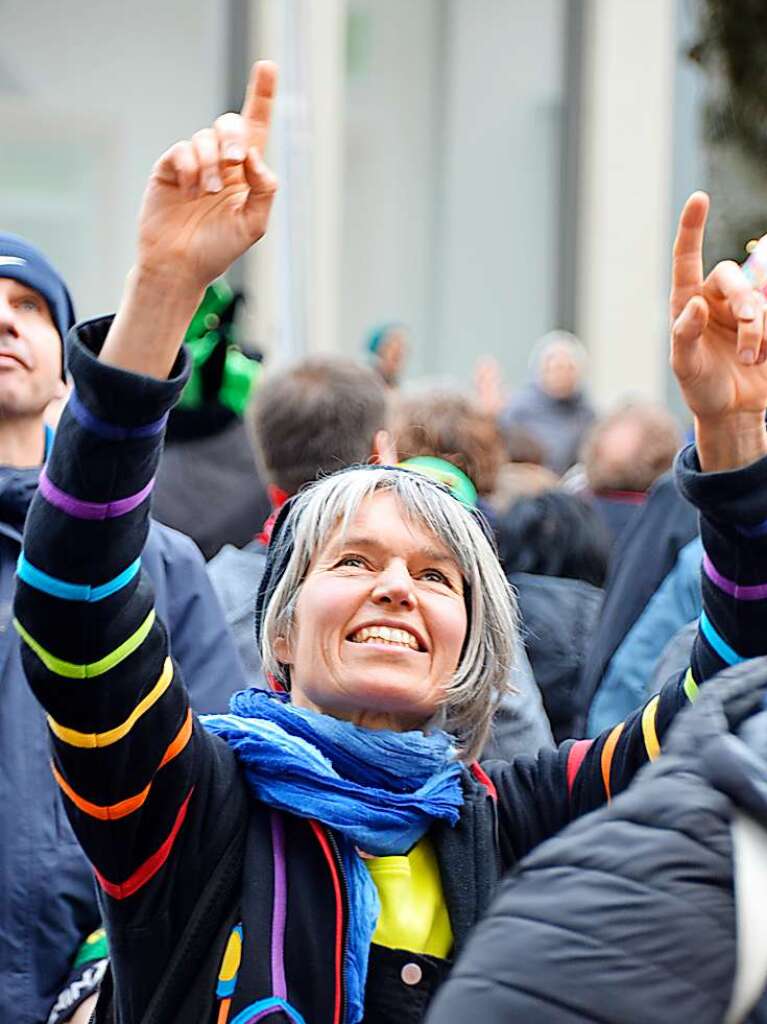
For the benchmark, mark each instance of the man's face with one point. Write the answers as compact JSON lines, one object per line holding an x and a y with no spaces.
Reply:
{"x":30,"y":351}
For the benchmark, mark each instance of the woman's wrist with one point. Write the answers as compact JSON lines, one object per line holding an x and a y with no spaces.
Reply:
{"x":730,"y":442}
{"x":153,"y":318}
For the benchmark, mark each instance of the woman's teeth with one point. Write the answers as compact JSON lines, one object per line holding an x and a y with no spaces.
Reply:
{"x":385,"y":634}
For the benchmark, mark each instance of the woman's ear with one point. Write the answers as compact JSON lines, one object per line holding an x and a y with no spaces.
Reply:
{"x":384,"y":451}
{"x":282,"y":650}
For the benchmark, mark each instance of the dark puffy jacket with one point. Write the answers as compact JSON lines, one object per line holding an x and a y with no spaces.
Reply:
{"x":629,"y":915}
{"x":48,"y":905}
{"x":559,"y":617}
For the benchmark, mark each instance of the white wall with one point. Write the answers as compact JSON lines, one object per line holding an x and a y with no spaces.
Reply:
{"x":451,"y":196}
{"x":91,"y":92}
{"x":499,"y":209}
{"x":624,"y":248}
{"x":391,"y":170}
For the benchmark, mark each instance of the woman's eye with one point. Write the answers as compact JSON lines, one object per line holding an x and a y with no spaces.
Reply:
{"x":353,"y":560}
{"x":29,"y":304}
{"x":435,"y":576}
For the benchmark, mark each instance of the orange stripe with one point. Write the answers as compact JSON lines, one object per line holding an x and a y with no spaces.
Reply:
{"x":223,"y":1011}
{"x":608,"y":751}
{"x":113,"y":812}
{"x":150,"y":867}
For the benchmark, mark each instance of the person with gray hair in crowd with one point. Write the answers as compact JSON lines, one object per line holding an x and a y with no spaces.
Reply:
{"x":312,"y":418}
{"x":553,"y":407}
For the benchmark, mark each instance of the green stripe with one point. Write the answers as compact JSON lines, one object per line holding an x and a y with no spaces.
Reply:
{"x":690,"y":687}
{"x":95,"y":947}
{"x":95,"y":668}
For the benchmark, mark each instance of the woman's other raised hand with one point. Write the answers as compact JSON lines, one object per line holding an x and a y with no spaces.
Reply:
{"x":718,"y":348}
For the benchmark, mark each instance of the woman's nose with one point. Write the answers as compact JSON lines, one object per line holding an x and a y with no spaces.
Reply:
{"x":395,"y":587}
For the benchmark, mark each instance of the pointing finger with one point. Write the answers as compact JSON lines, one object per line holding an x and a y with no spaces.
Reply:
{"x":687,"y":272}
{"x":259,"y":102}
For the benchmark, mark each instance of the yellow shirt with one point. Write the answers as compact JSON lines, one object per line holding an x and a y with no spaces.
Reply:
{"x":413,"y":912}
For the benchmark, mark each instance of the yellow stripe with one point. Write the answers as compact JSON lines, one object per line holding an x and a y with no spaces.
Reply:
{"x":92,"y":740}
{"x":691,"y":688}
{"x":71,"y":670}
{"x":113,"y":812}
{"x":607,"y":756}
{"x":648,"y":728}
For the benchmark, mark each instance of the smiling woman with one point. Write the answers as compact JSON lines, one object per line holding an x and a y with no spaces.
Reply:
{"x":321,"y":855}
{"x":374,"y":550}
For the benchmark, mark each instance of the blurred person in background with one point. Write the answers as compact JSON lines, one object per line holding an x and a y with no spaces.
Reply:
{"x":50,"y":949}
{"x":263,"y":829}
{"x":657,"y":645}
{"x":623,"y":455}
{"x":640,"y":560}
{"x":553,"y":406}
{"x":209,"y":486}
{"x":523,"y":475}
{"x":554,"y":549}
{"x":387,"y":347}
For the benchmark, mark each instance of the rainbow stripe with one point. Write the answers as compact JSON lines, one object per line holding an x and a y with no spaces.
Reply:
{"x":109,"y":431}
{"x":93,"y":510}
{"x":123,"y":808}
{"x":717,"y":642}
{"x":146,"y":872}
{"x":756,"y":592}
{"x":52,"y":585}
{"x":606,"y":760}
{"x":72,"y":670}
{"x":649,"y":732}
{"x":691,"y":688}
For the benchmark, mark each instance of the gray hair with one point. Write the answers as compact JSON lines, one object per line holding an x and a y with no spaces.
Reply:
{"x":557,"y":340}
{"x":483,"y":675}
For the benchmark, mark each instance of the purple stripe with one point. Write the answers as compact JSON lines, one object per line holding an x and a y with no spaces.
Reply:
{"x":279,"y":908}
{"x":91,"y":509}
{"x":757,"y":592}
{"x":111,"y":431}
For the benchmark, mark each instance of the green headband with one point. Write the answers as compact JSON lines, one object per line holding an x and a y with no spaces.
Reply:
{"x":445,"y":473}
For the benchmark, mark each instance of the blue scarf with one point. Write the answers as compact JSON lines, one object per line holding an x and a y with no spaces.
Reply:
{"x":378,"y":790}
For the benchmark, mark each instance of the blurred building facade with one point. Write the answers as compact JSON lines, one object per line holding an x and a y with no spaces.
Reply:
{"x":481,"y":170}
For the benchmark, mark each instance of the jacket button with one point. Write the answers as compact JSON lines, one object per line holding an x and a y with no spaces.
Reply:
{"x":411,"y":974}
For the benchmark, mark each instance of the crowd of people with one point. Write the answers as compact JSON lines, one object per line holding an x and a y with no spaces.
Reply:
{"x":329,"y":700}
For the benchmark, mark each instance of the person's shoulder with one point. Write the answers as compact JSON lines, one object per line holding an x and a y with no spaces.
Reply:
{"x":170,"y":543}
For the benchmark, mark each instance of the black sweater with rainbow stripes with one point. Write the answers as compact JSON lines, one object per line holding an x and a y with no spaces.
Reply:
{"x":158,"y":804}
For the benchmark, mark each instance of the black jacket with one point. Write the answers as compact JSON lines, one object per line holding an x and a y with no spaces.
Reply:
{"x":181,"y":851}
{"x":629,"y":916}
{"x":49,"y":906}
{"x":559,"y":617}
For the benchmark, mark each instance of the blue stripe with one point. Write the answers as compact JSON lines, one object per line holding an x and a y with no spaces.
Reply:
{"x":759,"y":530}
{"x":73,"y":591}
{"x":110,"y":431}
{"x":722,"y":648}
{"x":258,"y":1010}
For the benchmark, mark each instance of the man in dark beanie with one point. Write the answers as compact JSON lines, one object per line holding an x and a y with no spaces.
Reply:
{"x":52,"y":954}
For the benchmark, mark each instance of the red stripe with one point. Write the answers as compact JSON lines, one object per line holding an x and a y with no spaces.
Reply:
{"x":323,"y":840}
{"x":150,"y":867}
{"x":578,"y":751}
{"x":481,"y":776}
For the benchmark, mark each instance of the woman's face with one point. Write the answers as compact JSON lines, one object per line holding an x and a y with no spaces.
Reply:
{"x":379,"y":623}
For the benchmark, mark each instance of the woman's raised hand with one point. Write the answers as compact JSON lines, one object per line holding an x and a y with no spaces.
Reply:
{"x":208,"y":198}
{"x":718,"y":348}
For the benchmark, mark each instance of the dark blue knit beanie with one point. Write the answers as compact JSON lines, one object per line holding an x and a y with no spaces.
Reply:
{"x":25,"y":263}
